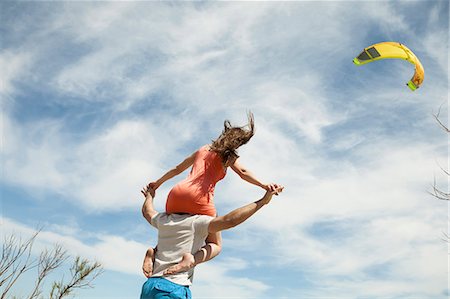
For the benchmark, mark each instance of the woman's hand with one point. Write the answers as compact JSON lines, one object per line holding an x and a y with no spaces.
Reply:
{"x":268,"y":196}
{"x":269,"y":187}
{"x":153,"y":185}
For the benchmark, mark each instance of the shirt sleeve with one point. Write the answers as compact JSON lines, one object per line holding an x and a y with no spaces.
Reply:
{"x":154,"y":221}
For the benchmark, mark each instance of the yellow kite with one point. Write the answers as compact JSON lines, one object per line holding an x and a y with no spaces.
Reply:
{"x":393,"y":50}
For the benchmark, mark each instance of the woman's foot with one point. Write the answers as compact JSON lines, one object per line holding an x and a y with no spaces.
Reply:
{"x":147,"y":267}
{"x":187,"y":262}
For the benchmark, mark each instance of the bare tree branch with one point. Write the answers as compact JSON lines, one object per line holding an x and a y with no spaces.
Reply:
{"x":436,"y":116}
{"x":438,"y":193}
{"x":12,"y":250}
{"x":80,"y":271}
{"x":48,"y":261}
{"x":446,"y":237}
{"x":14,"y":266}
{"x":17,"y":258}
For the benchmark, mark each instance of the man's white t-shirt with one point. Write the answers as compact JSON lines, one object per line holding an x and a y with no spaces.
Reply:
{"x":178,"y":234}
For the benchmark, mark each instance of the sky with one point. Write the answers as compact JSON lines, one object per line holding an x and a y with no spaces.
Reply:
{"x":100,"y":98}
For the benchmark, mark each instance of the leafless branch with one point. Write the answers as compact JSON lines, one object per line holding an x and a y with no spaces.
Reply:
{"x":441,"y":124}
{"x":445,"y":238}
{"x":17,"y":258}
{"x":12,"y":250}
{"x":48,"y":261}
{"x":14,"y":266}
{"x":438,"y":193}
{"x":83,"y":273}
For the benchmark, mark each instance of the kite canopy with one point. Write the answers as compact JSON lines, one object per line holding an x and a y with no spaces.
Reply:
{"x":387,"y":50}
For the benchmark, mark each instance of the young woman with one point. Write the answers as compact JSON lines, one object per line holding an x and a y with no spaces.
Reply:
{"x":195,"y":194}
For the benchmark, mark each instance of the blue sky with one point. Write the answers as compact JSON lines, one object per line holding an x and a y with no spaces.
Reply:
{"x":98,"y":98}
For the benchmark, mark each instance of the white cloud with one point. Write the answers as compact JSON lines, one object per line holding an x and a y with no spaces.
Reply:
{"x":29,"y":154}
{"x":105,"y":171}
{"x":385,"y":180}
{"x":224,"y":55}
{"x":148,"y":59}
{"x":114,"y":252}
{"x":101,"y":161}
{"x":191,"y":66}
{"x":386,"y":16}
{"x":304,"y":110}
{"x":436,"y":48}
{"x":375,"y":213}
{"x":14,"y":66}
{"x":436,"y":40}
{"x":219,"y":277}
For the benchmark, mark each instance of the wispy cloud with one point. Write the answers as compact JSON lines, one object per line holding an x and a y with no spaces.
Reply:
{"x":42,"y":156}
{"x":351,"y":224}
{"x":103,"y":97}
{"x":114,"y":252}
{"x":13,"y":66}
{"x":220,"y":277}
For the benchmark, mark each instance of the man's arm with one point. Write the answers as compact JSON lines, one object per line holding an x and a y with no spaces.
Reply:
{"x":241,"y":214}
{"x":217,"y":224}
{"x":148,"y":210}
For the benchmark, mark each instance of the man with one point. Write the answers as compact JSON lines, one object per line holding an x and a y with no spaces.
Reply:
{"x":182,"y":235}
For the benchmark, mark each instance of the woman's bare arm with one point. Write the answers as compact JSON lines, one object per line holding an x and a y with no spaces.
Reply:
{"x":174,"y":172}
{"x":241,"y":214}
{"x":248,"y":176}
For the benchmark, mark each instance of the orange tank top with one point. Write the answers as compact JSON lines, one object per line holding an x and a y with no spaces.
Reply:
{"x":195,"y":194}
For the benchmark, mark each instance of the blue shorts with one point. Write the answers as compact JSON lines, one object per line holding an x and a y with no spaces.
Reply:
{"x":160,"y":288}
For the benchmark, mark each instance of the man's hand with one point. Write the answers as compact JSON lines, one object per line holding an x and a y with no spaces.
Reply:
{"x":148,"y":190}
{"x":274,"y":190}
{"x":269,"y":187}
{"x":148,"y":210}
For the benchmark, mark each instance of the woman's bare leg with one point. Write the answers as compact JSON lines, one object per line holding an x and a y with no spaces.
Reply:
{"x":210,"y":250}
{"x":149,"y":258}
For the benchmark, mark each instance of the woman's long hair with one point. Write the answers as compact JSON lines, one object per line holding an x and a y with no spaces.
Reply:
{"x":232,"y":138}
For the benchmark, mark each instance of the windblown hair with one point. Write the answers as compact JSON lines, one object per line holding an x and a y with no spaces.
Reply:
{"x":232,"y":138}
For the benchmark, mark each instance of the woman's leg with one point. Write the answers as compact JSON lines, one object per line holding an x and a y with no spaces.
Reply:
{"x":147,"y":266}
{"x":209,"y":251}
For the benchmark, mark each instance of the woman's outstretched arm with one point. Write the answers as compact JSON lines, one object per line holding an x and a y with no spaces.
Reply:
{"x":174,"y":172}
{"x":237,"y":216}
{"x":248,"y":176}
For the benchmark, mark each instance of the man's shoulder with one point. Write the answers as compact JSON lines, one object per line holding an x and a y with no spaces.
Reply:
{"x":176,"y":218}
{"x":159,"y":215}
{"x":203,"y":218}
{"x":202,"y":221}
{"x":190,"y":218}
{"x":182,"y":217}
{"x":156,"y":219}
